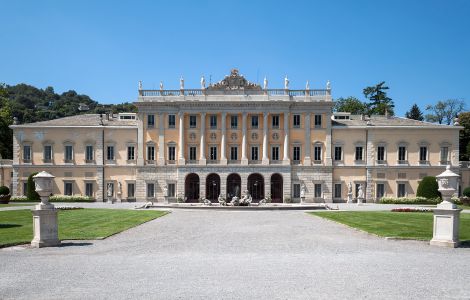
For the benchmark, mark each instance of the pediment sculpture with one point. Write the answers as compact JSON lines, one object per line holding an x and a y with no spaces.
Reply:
{"x":234,"y":81}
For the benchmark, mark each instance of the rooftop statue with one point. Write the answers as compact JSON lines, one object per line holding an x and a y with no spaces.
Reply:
{"x":203,"y":83}
{"x":181,"y":83}
{"x":234,"y":81}
{"x":265,"y":83}
{"x":286,"y":83}
{"x":161,"y":85}
{"x":140,"y":85}
{"x":307,"y":86}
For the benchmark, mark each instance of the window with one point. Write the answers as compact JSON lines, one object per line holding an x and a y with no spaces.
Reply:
{"x":338,"y":153}
{"x":150,"y":190}
{"x":401,"y":190}
{"x":402,"y":154}
{"x":444,"y":155}
{"x":234,"y":122}
{"x":380,"y":190}
{"x":318,"y":121}
{"x":171,"y":121}
{"x":317,"y":190}
{"x":254,"y":122}
{"x":275,"y":121}
{"x":296,"y":121}
{"x":151,"y":121}
{"x":380,"y":153}
{"x":89,"y":154}
{"x":275,"y":153}
{"x":171,"y":152}
{"x":130,"y":152}
{"x":130,"y":190}
{"x":25,"y":188}
{"x":337,"y":190}
{"x":296,"y":189}
{"x":110,"y":153}
{"x":192,"y":153}
{"x":213,"y":153}
{"x":89,"y":189}
{"x":233,"y":153}
{"x":359,"y":153}
{"x":192,"y":121}
{"x":254,"y":153}
{"x":213,"y":121}
{"x":150,"y":153}
{"x":423,"y":154}
{"x":68,"y":188}
{"x":68,"y":153}
{"x":26,"y":153}
{"x":171,"y":190}
{"x":317,"y":153}
{"x":296,"y":153}
{"x":47,"y":153}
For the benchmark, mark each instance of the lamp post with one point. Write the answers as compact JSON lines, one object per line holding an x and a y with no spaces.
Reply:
{"x":446,"y":214}
{"x":45,"y":226}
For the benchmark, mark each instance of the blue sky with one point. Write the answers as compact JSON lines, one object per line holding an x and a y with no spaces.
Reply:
{"x":102,"y":48}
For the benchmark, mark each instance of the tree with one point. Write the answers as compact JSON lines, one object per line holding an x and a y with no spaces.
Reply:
{"x":379,"y":103}
{"x":464,"y":138}
{"x":445,"y":111}
{"x":31,"y":190}
{"x":6,"y":134}
{"x":351,"y":105}
{"x":415,"y":113}
{"x":427,"y":188}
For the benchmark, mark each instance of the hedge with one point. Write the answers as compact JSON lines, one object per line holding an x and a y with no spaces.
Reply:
{"x":466,"y":191}
{"x":31,"y":189}
{"x":56,"y":198}
{"x":404,"y":200}
{"x":428,"y":188}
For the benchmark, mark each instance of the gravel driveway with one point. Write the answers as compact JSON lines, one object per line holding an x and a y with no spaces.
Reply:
{"x":236,"y":255}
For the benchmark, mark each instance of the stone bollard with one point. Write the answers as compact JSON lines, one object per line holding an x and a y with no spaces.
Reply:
{"x":446,"y":214}
{"x":45,"y":228}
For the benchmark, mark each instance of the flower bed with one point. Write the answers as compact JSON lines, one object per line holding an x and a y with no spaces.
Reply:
{"x":411,"y":209}
{"x":56,"y":198}
{"x":404,"y":200}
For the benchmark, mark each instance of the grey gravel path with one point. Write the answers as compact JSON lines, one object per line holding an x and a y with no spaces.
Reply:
{"x":237,"y":255}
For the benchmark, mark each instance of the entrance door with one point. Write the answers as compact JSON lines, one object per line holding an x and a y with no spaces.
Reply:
{"x":191,"y":188}
{"x":276,"y":188}
{"x":234,"y":183}
{"x":256,"y":186}
{"x":212,"y":187}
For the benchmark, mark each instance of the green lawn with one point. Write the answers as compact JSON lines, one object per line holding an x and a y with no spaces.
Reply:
{"x":16,"y":226}
{"x":407,"y":225}
{"x":16,"y":204}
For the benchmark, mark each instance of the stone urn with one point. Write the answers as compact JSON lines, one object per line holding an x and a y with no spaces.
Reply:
{"x":43,"y":186}
{"x":448,"y":184}
{"x":5,"y":199}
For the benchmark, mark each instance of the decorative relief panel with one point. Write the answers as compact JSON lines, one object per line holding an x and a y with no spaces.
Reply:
{"x":192,"y":136}
{"x":254,"y":136}
{"x":234,"y":136}
{"x":213,"y":136}
{"x":275,"y":136}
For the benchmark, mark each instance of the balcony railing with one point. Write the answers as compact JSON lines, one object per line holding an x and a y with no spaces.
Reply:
{"x":199,"y":92}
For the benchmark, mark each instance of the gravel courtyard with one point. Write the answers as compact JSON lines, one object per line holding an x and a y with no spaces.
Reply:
{"x":236,"y":255}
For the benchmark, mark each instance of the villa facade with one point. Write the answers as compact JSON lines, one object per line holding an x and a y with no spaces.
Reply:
{"x":231,"y":137}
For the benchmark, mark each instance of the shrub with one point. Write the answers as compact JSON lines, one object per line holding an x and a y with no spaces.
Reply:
{"x":4,"y":190}
{"x":411,"y":209}
{"x":63,"y":198}
{"x":466,"y":191}
{"x":416,"y":200}
{"x":31,"y":190}
{"x":427,"y":188}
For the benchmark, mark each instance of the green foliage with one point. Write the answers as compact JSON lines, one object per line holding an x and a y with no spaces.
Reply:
{"x":31,"y":191}
{"x":63,"y":198}
{"x":351,"y":105}
{"x":379,"y":102}
{"x":466,"y":191}
{"x":415,"y":113}
{"x":403,"y":200}
{"x":464,"y":138}
{"x":427,"y":188}
{"x":4,"y":190}
{"x":444,"y":112}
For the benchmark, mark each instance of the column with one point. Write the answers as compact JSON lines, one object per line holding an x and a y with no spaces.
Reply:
{"x":265,"y":160}
{"x":181,"y":140}
{"x":140,"y":139}
{"x":202,"y":146}
{"x":223,"y":155}
{"x":244,"y":160}
{"x":328,"y":160}
{"x":308,"y":143}
{"x":161,"y":140}
{"x":286,"y":159}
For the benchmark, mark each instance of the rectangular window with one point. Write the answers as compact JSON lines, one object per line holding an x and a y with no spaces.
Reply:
{"x":234,"y":122}
{"x":423,"y":153}
{"x":131,"y":190}
{"x":444,"y":155}
{"x":318,"y":190}
{"x":47,"y":153}
{"x":402,"y":153}
{"x":338,"y":153}
{"x":171,"y":121}
{"x":89,"y":189}
{"x":317,"y":153}
{"x":254,"y":153}
{"x":89,"y":153}
{"x":233,"y":153}
{"x":380,"y":190}
{"x":25,"y":188}
{"x":151,"y":121}
{"x":296,"y":153}
{"x":192,"y":121}
{"x":192,"y":153}
{"x":337,"y":190}
{"x":380,"y":153}
{"x":401,"y":190}
{"x":359,"y":153}
{"x":130,"y":152}
{"x":318,"y":121}
{"x":296,"y":121}
{"x":171,"y":190}
{"x":213,"y":153}
{"x":296,"y":188}
{"x":68,"y":188}
{"x":275,"y":121}
{"x":27,"y":153}
{"x":254,"y":122}
{"x":110,"y":153}
{"x":275,"y":153}
{"x":213,"y":121}
{"x":68,"y":153}
{"x":171,"y":153}
{"x":150,"y":152}
{"x":150,"y":190}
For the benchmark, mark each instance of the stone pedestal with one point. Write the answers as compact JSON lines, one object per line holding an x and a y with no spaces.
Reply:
{"x":350,"y":198}
{"x":45,"y":228}
{"x":360,"y":200}
{"x":446,"y":227}
{"x":119,"y":199}
{"x":302,"y":199}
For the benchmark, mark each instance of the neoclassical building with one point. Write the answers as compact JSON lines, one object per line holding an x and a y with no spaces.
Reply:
{"x":230,"y":137}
